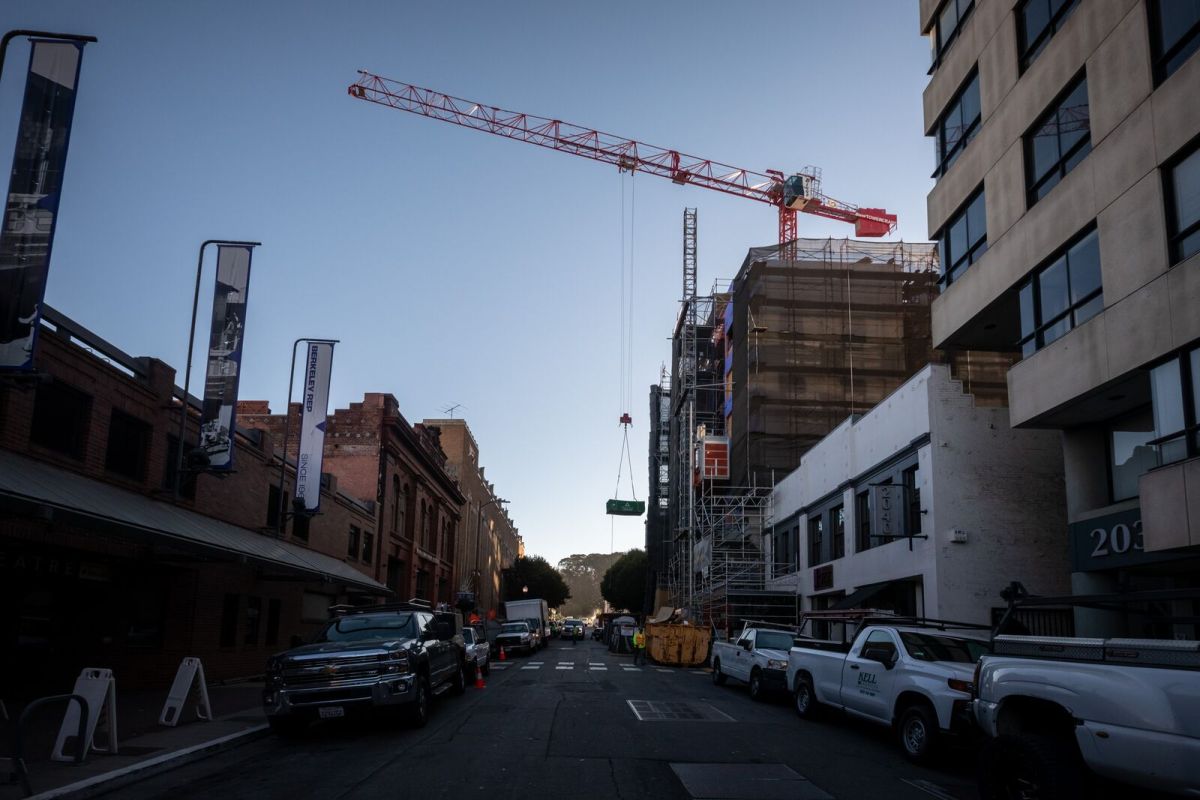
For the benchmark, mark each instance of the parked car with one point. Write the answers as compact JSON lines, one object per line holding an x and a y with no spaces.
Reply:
{"x":477,"y":652}
{"x":515,"y":636}
{"x":598,"y":633}
{"x":571,"y":629}
{"x":1055,"y":708}
{"x":372,"y":658}
{"x":913,"y":677}
{"x":759,"y":657}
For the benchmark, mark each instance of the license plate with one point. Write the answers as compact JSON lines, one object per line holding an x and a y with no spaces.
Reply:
{"x":330,"y":712}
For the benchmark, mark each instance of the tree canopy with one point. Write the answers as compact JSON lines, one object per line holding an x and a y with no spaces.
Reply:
{"x":583,"y":572}
{"x":544,"y":581}
{"x":624,"y":584}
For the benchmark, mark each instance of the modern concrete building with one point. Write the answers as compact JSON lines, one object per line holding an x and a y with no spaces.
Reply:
{"x":929,"y":504}
{"x":1067,"y":211}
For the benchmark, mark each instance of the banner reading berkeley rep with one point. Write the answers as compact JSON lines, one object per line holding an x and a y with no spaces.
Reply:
{"x":225,"y":355}
{"x":313,"y":412}
{"x":34,"y":188}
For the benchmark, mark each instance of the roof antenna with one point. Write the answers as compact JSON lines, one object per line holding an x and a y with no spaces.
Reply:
{"x":452,"y":408}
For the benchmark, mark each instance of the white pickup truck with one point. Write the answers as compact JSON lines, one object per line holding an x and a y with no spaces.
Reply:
{"x":759,"y":657}
{"x":916,"y":679}
{"x":1128,"y":709}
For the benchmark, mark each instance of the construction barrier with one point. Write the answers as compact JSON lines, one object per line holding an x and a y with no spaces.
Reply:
{"x":191,"y":672}
{"x":99,"y":689}
{"x":677,"y":645}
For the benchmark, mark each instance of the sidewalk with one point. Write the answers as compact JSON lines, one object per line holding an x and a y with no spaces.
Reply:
{"x":144,"y":747}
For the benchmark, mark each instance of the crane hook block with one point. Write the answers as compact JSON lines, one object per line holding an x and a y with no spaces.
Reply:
{"x":626,"y":508}
{"x":626,"y":419}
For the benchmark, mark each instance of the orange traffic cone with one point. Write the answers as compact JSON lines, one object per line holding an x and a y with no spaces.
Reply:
{"x":502,"y":656}
{"x":479,"y":684}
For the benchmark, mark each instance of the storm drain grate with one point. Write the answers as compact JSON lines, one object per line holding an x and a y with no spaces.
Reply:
{"x":662,"y":711}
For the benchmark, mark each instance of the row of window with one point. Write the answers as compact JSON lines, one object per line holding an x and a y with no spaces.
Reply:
{"x":826,"y":539}
{"x":360,"y":545}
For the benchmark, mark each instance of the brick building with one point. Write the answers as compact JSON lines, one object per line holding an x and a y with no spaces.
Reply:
{"x":100,"y":566}
{"x":399,"y":468}
{"x":487,"y":542}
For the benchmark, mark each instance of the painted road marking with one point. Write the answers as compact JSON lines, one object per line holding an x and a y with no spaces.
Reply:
{"x":668,"y":671}
{"x":536,"y":663}
{"x":565,"y":666}
{"x":561,"y":663}
{"x":632,"y":669}
{"x":533,"y":666}
{"x":598,"y":669}
{"x":596,"y":664}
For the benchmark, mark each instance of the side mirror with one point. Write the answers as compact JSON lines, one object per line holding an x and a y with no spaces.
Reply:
{"x":745,"y":645}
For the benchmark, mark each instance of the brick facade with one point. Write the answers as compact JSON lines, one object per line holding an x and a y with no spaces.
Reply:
{"x":79,"y":593}
{"x":378,"y":457}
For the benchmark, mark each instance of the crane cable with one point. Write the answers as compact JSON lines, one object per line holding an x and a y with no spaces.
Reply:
{"x":625,"y":366}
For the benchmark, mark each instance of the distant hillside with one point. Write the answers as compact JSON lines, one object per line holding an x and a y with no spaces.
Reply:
{"x":583,"y":574}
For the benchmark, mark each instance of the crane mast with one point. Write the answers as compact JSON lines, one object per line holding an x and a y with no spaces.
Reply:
{"x":800,"y":192}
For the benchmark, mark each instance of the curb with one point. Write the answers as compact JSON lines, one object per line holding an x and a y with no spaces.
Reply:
{"x":109,"y":781}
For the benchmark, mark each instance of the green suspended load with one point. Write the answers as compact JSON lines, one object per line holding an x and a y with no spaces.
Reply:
{"x":626,"y":508}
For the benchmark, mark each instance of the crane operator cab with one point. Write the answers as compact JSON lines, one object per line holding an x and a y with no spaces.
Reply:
{"x":798,"y":191}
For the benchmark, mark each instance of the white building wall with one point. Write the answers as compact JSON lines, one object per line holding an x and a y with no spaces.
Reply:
{"x":1003,"y":487}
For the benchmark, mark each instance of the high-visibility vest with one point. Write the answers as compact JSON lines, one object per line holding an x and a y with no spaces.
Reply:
{"x":639,"y":640}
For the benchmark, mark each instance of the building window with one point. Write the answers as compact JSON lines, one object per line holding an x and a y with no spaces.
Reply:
{"x":958,"y":125}
{"x":783,"y":551}
{"x":816,"y":532}
{"x":837,"y":521}
{"x":368,"y":550}
{"x":396,"y":501}
{"x":963,"y":239}
{"x":1057,"y":142}
{"x":952,"y":16}
{"x":1130,"y":454}
{"x":1175,"y":397}
{"x":253,"y":619}
{"x":229,"y":618}
{"x":272,"y":636}
{"x":128,"y":447}
{"x":862,"y":521}
{"x":912,"y":494}
{"x":1182,"y":191}
{"x":422,"y":585}
{"x":1061,"y":295}
{"x":187,"y":481}
{"x":1174,"y":34}
{"x":1037,"y":22}
{"x":272,"y":506}
{"x":395,"y":571}
{"x":60,"y":419}
{"x":352,"y":542}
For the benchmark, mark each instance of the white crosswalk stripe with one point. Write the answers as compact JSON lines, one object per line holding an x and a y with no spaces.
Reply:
{"x":668,"y":671}
{"x":532,"y":666}
{"x":598,"y":669}
{"x":565,"y":666}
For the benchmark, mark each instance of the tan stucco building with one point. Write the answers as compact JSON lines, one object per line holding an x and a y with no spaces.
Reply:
{"x":1067,"y":211}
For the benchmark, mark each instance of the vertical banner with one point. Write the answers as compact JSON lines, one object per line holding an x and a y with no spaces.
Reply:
{"x":225,"y":355}
{"x":34,"y":189}
{"x":313,"y":412}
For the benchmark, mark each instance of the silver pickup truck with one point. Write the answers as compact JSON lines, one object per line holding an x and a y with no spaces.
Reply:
{"x":370,"y":658}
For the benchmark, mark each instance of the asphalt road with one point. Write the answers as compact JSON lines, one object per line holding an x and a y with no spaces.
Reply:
{"x":543,"y":729}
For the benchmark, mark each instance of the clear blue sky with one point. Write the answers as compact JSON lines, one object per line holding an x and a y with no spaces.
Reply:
{"x":457,"y":267}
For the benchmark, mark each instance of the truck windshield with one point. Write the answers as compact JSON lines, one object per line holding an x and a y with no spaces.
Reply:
{"x":515,"y":627}
{"x":368,"y":627}
{"x":929,"y":647}
{"x":773,"y":640}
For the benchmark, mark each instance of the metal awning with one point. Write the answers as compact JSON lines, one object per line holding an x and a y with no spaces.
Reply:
{"x":860,"y":595}
{"x":25,"y":482}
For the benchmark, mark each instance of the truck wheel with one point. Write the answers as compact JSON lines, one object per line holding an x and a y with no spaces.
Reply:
{"x":756,"y":687}
{"x":1030,"y":766}
{"x":805,"y":698}
{"x":287,"y":727}
{"x":419,"y":713}
{"x":918,"y":731}
{"x":718,"y":677}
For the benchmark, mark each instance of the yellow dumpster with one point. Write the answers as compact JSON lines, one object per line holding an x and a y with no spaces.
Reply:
{"x":677,"y":645}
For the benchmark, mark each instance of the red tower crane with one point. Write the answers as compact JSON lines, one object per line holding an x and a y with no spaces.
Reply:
{"x":789,"y":194}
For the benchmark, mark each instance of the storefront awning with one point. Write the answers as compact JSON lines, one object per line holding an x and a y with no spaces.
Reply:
{"x":860,"y":595}
{"x":33,"y":484}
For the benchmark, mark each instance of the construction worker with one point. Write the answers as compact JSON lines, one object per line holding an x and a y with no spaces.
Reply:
{"x":639,"y":646}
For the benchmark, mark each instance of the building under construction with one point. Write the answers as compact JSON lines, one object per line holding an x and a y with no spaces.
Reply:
{"x":765,"y":366}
